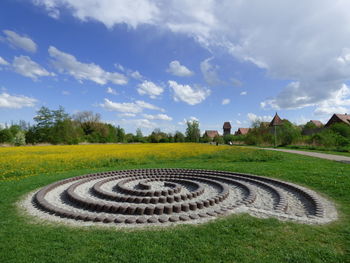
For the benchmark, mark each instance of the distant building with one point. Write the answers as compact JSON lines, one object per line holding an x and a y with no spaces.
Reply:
{"x":338,"y":118}
{"x":211,"y":134}
{"x":242,"y":131}
{"x":318,"y":124}
{"x":276,"y":121}
{"x":227,"y":128}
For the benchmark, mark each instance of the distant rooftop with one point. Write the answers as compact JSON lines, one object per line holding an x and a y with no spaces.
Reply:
{"x":276,"y":121}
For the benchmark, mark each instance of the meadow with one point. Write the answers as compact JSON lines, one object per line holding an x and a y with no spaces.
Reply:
{"x":236,"y":238}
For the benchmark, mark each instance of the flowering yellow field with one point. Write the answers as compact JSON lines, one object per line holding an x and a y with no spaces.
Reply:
{"x":20,"y":162}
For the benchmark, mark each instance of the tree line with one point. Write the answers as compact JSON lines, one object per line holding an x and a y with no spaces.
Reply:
{"x":59,"y":127}
{"x":336,"y":136}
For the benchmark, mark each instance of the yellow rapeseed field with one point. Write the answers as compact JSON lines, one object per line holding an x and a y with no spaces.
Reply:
{"x":20,"y":162}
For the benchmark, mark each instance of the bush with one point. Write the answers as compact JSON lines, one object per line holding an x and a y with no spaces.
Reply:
{"x":19,"y":139}
{"x":341,"y":129}
{"x":329,"y":138}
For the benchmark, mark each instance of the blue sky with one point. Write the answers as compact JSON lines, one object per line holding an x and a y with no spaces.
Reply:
{"x":155,"y":64}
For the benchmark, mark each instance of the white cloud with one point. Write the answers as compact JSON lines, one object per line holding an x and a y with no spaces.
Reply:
{"x":111,"y":91}
{"x":16,"y":102}
{"x":125,"y":107}
{"x":128,"y":107}
{"x":108,"y":12}
{"x":17,"y":41}
{"x":184,"y":122}
{"x":138,"y":123}
{"x":282,"y":37}
{"x":150,"y":89}
{"x":26,"y":67}
{"x":238,"y":122}
{"x":127,"y":115}
{"x":236,"y":82}
{"x":67,"y":63}
{"x":209,"y":72}
{"x":252,"y":117}
{"x":3,"y":62}
{"x":338,"y":102}
{"x":136,"y":75}
{"x":225,"y":101}
{"x":65,"y":92}
{"x":177,"y":69}
{"x":243,"y":93}
{"x":160,"y":116}
{"x":188,"y":94}
{"x":149,"y":106}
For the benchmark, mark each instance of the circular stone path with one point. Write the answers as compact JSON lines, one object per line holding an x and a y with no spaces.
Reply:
{"x":145,"y":197}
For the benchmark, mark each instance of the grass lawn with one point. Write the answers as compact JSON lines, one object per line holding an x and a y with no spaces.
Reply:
{"x":237,"y":238}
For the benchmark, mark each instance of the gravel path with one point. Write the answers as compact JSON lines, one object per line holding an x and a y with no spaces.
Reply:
{"x":333,"y":157}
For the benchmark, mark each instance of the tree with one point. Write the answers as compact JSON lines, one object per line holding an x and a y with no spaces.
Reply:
{"x":179,"y":137}
{"x":219,"y":139}
{"x":231,"y":138}
{"x":19,"y":139}
{"x":66,"y":132}
{"x":59,"y":115}
{"x":139,"y":136}
{"x":155,"y":136}
{"x":205,"y":138}
{"x":170,"y":137}
{"x":287,"y":133}
{"x":310,"y":125}
{"x":6,"y":136}
{"x":88,"y":121}
{"x":192,"y":132}
{"x":120,"y":134}
{"x":44,"y":118}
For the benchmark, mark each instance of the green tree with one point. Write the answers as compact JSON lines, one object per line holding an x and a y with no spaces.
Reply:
{"x":120,"y":134}
{"x":6,"y":136}
{"x":139,"y":136}
{"x":288,"y":133}
{"x":66,"y":132}
{"x":179,"y":137}
{"x":193,"y":133}
{"x":219,"y":139}
{"x":44,"y":118}
{"x":19,"y":139}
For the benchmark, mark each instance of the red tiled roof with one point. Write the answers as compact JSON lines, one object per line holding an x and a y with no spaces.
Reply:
{"x":338,"y":118}
{"x":211,"y":134}
{"x":276,"y":121}
{"x":242,"y":131}
{"x":317,"y":123}
{"x":344,"y":117}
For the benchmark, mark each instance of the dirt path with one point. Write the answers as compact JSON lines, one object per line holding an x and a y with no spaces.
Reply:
{"x":332,"y":157}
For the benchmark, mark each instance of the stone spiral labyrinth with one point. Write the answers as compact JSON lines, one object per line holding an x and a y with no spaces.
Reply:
{"x":170,"y":196}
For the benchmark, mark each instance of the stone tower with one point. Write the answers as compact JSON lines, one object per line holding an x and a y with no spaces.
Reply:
{"x":227,"y":128}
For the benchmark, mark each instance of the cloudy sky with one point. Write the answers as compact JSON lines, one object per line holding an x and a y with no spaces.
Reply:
{"x":157,"y":63}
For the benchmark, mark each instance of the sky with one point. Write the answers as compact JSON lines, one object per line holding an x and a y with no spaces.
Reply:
{"x":157,"y":64}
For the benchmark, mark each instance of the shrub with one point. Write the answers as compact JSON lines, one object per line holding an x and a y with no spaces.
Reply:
{"x":19,"y":139}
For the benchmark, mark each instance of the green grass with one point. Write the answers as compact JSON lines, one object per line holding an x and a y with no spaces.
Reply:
{"x":237,"y":238}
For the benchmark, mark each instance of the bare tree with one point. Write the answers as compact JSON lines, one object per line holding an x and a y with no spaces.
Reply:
{"x":87,"y":120}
